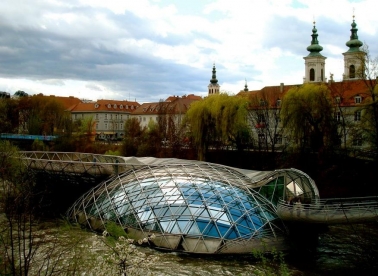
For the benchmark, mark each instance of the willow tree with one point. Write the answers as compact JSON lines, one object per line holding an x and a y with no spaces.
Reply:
{"x":307,"y":116}
{"x":218,"y":119}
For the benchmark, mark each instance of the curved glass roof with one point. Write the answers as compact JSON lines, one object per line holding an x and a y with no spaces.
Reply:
{"x":194,"y":206}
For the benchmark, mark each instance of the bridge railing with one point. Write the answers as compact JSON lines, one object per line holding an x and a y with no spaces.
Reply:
{"x":13,"y":136}
{"x":331,"y":210}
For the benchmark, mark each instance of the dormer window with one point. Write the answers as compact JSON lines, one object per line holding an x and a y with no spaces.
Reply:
{"x":357,"y":99}
{"x":96,"y":105}
{"x":127,"y":107}
{"x":121,"y":106}
{"x":132,"y":107}
{"x":278,"y":103}
{"x":151,"y":109}
{"x":109,"y":105}
{"x":263,"y":103}
{"x":144,"y":109}
{"x":115,"y":106}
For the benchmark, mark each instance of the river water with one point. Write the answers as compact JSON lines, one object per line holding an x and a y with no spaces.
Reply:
{"x":336,"y":250}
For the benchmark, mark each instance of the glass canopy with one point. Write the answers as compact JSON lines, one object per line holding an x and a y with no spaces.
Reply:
{"x":194,"y":206}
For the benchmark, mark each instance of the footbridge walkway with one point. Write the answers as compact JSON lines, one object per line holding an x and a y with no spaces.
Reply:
{"x":320,"y":211}
{"x":331,"y":210}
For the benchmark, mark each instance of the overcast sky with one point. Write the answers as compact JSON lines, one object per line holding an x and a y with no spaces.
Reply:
{"x":147,"y":50}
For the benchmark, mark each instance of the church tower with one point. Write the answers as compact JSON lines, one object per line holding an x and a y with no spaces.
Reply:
{"x":354,"y":57}
{"x":213,"y":87}
{"x":314,"y":62}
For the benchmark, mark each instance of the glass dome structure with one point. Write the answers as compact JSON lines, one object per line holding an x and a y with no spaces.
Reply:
{"x":193,"y":206}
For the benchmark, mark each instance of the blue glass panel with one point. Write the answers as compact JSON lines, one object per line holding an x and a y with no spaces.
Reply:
{"x":204,"y":214}
{"x":245,"y":231}
{"x":193,"y":229}
{"x":257,"y":222}
{"x":175,"y":229}
{"x":223,"y":228}
{"x":232,"y":234}
{"x":201,"y":224}
{"x":184,"y":225}
{"x":165,"y":226}
{"x":211,"y":231}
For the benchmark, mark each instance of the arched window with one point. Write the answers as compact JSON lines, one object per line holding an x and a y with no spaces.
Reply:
{"x":312,"y":74}
{"x":352,"y":72}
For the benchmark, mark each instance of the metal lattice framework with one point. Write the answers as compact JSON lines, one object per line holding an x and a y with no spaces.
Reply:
{"x":193,"y":207}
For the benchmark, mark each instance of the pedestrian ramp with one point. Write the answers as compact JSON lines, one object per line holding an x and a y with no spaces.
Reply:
{"x":331,"y":211}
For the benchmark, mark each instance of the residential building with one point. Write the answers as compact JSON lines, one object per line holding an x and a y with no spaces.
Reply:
{"x":174,"y":107}
{"x":108,"y":116}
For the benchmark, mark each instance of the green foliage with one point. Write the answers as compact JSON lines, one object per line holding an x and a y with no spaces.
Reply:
{"x":271,"y":265}
{"x":307,"y":116}
{"x":113,"y":152}
{"x":217,"y":119}
{"x":38,"y":145}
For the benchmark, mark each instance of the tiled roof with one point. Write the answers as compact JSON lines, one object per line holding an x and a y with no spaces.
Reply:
{"x":67,"y":101}
{"x":176,"y":106}
{"x":105,"y":106}
{"x":347,"y":90}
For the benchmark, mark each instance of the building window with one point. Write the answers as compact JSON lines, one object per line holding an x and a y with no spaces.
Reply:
{"x":144,"y":119}
{"x":357,"y":116}
{"x":140,"y":118}
{"x":357,"y":99}
{"x":357,"y":140}
{"x":352,"y":72}
{"x":261,"y":138}
{"x":121,"y":126}
{"x":121,"y":116}
{"x":278,"y":103}
{"x":106,"y":116}
{"x":338,"y":100}
{"x":96,"y":116}
{"x":278,"y":139}
{"x":261,"y":118}
{"x":312,"y":74}
{"x":106,"y":126}
{"x":96,"y":126}
{"x":111,"y":116}
{"x":338,"y":116}
{"x":116,"y":126}
{"x":322,"y":73}
{"x":75,"y":116}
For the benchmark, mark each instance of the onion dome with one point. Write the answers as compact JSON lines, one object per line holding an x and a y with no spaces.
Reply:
{"x":314,"y":48}
{"x":214,"y":76}
{"x":354,"y":44}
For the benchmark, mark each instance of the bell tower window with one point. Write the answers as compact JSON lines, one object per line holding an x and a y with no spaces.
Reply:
{"x":352,"y":72}
{"x":312,"y":74}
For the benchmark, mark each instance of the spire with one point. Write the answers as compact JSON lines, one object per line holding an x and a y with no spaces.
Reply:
{"x":314,"y":48}
{"x":246,"y":86}
{"x":354,"y":44}
{"x":214,"y":76}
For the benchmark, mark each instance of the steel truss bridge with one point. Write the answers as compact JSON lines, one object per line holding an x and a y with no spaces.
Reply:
{"x":95,"y":166}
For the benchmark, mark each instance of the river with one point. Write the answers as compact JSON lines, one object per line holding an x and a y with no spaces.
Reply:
{"x":337,"y":250}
